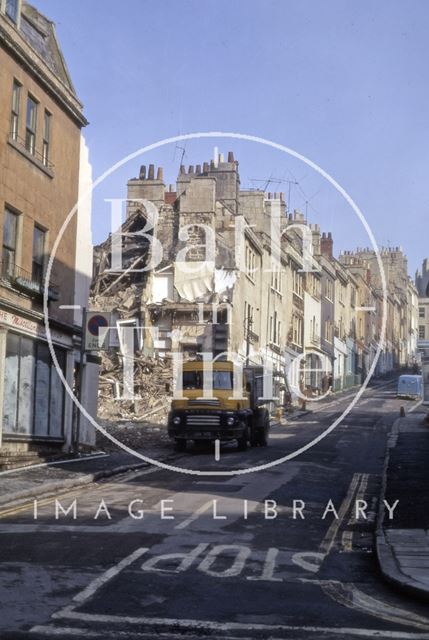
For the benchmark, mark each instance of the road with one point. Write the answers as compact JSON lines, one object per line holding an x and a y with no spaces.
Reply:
{"x":226,"y":556}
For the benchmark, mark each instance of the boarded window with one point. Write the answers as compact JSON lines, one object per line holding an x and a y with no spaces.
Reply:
{"x":34,"y":395}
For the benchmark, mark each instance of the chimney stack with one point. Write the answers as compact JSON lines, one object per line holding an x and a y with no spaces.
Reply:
{"x":327,"y":245}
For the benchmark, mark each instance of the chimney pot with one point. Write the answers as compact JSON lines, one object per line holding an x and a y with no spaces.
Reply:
{"x":230,"y":156}
{"x":206,"y":167}
{"x":182,"y":168}
{"x":151,"y":175}
{"x":160,"y":174}
{"x":191,"y":168}
{"x":198,"y":169}
{"x":142,"y":174}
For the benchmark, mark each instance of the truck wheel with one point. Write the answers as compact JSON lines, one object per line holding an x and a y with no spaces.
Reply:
{"x":180,"y":444}
{"x":263,"y":435}
{"x":242,"y":442}
{"x":261,"y":429}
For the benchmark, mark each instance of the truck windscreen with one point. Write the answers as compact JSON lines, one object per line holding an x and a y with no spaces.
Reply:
{"x":194,"y":380}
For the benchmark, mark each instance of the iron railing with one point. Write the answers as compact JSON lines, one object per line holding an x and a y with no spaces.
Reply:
{"x":35,"y":153}
{"x":23,"y":280}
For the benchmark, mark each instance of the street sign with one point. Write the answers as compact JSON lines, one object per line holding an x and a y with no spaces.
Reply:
{"x":96,"y":323}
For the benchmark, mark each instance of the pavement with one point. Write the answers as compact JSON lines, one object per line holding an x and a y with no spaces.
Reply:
{"x":48,"y":479}
{"x":403,"y":542}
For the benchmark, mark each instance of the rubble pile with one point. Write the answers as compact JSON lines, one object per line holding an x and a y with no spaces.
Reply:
{"x":121,"y":293}
{"x":144,"y":436}
{"x":152,"y":379}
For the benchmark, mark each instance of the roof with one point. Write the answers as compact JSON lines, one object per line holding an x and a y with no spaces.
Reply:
{"x":39,"y":32}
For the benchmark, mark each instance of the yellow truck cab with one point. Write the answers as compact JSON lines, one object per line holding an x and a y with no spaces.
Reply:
{"x":221,"y":417}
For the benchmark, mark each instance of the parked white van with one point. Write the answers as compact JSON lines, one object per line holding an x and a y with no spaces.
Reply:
{"x":410,"y":386}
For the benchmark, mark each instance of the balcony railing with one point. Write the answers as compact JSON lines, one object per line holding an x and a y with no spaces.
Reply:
{"x":31,"y":150}
{"x":23,"y":280}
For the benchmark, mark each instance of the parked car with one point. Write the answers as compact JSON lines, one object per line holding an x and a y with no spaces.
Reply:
{"x":410,"y":386}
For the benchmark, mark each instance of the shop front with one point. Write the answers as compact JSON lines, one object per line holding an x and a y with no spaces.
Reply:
{"x":34,"y":405}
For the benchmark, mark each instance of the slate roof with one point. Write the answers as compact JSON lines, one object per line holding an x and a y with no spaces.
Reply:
{"x":39,"y":32}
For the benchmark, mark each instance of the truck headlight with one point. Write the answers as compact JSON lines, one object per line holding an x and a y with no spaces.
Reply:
{"x":176,"y":420}
{"x":230,"y":420}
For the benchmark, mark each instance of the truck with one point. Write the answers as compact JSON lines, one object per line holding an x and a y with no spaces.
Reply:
{"x":221,"y":417}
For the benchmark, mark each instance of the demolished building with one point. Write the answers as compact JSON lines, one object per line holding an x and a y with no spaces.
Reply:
{"x":209,"y":268}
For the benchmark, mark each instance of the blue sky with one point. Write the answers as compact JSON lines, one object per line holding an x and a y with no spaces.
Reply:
{"x":344,"y":83}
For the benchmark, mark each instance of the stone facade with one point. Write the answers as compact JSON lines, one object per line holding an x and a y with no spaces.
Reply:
{"x":40,"y":138}
{"x":227,"y":284}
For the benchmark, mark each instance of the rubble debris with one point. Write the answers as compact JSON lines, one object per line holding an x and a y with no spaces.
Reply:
{"x":152,"y":381}
{"x":142,"y":436}
{"x":121,"y":293}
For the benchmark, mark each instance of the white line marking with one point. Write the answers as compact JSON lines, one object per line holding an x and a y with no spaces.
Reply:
{"x":303,"y":560}
{"x":331,"y":534}
{"x":217,"y":450}
{"x":70,"y":306}
{"x":343,"y":632}
{"x":269,"y":567}
{"x":93,"y":586}
{"x":194,"y":516}
{"x":83,"y":633}
{"x":48,"y":464}
{"x":414,"y":407}
{"x":66,"y":631}
{"x":241,"y":555}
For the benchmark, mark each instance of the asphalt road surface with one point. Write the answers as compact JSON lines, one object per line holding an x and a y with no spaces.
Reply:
{"x":219,"y":556}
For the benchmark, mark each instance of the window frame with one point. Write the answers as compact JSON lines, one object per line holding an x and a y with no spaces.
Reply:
{"x":9,"y":248}
{"x":47,"y":135}
{"x":15,"y":109}
{"x":40,"y":264}
{"x":31,"y":131}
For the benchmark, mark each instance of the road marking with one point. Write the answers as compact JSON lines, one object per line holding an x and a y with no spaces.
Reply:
{"x":281,"y":436}
{"x":414,"y":407}
{"x":97,"y":583}
{"x":347,"y":541}
{"x":360,"y":495}
{"x":83,"y":633}
{"x":350,"y":596}
{"x":329,"y":539}
{"x":70,"y":306}
{"x":195,"y":515}
{"x":203,"y":625}
{"x":241,"y":555}
{"x":300,"y":560}
{"x":269,"y":567}
{"x":217,"y":450}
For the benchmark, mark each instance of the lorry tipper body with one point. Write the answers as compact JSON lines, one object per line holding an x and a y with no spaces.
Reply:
{"x":222,"y":416}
